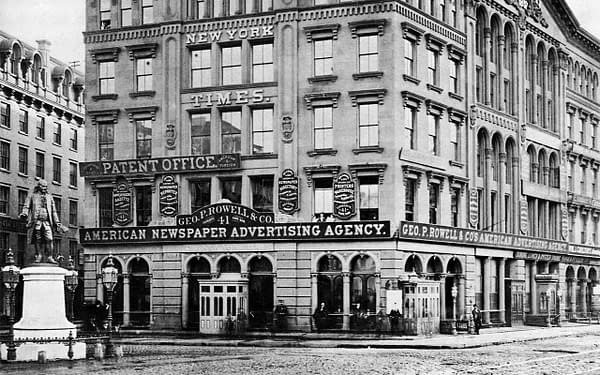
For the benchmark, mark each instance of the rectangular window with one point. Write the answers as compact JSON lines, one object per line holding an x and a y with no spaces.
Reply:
{"x":453,"y":17}
{"x":105,"y":206}
{"x":106,"y":141}
{"x":410,"y":118}
{"x":73,"y":174}
{"x":40,"y":127}
{"x":147,"y":12}
{"x":494,"y":211}
{"x":583,"y":180}
{"x":231,"y":132}
{"x":409,"y":200}
{"x":409,"y":57}
{"x":231,"y":65}
{"x":4,"y":155}
{"x":262,"y":131}
{"x":56,"y":170}
{"x":369,"y":198}
{"x":73,"y":141}
{"x":493,"y":90}
{"x":480,"y":217}
{"x":24,"y":121}
{"x":105,"y":7}
{"x":323,"y":57}
{"x":434,"y":202}
{"x":200,"y":8}
{"x":455,"y":140}
{"x":368,"y":53}
{"x":262,"y":62}
{"x":23,"y":160}
{"x":126,"y":19}
{"x":4,"y":115}
{"x":594,"y":132}
{"x":57,"y":135}
{"x":433,"y":125}
{"x":201,"y":68}
{"x":583,"y":229}
{"x":508,"y":209}
{"x":478,"y":84}
{"x":73,"y":212}
{"x":507,"y":97}
{"x":262,"y":193}
{"x":143,"y":205}
{"x":143,"y":139}
{"x":581,"y":131}
{"x":594,"y":184}
{"x":4,"y":199}
{"x":432,"y":67}
{"x":571,"y":125}
{"x":570,"y":176}
{"x":538,"y":110}
{"x":200,"y":133}
{"x":58,"y":206}
{"x":144,"y":74}
{"x":323,"y":208}
{"x":454,"y":69}
{"x":432,"y":7}
{"x":443,"y":10}
{"x":232,"y":7}
{"x":106,"y":77}
{"x":454,"y":206}
{"x":200,"y":194}
{"x":323,"y":127}
{"x":368,"y":125}
{"x":40,"y":164}
{"x":21,"y":199}
{"x":231,"y":188}
{"x":266,"y":5}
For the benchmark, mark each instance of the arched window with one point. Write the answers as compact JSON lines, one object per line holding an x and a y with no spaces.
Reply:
{"x":330,"y":285}
{"x":542,"y":168}
{"x":532,"y":164}
{"x":510,"y":154}
{"x":15,"y":59}
{"x":198,"y":269}
{"x":495,"y":157}
{"x":229,"y":265}
{"x":66,"y":84}
{"x":529,"y":78}
{"x":495,"y":33}
{"x":413,"y":264}
{"x":554,"y":172}
{"x":362,"y":281}
{"x":37,"y":67}
{"x":479,"y":32}
{"x":139,"y":292}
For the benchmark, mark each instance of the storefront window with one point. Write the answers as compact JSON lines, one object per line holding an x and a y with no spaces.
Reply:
{"x":231,"y":189}
{"x":262,"y":193}
{"x":363,"y":283}
{"x":200,"y":194}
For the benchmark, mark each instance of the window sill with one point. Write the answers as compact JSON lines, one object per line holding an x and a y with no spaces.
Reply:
{"x":324,"y":78}
{"x":74,"y":187}
{"x":41,"y":139}
{"x":4,"y":126}
{"x":412,"y":79}
{"x":4,"y":170}
{"x":431,"y":87}
{"x":73,"y":149}
{"x":259,"y":156}
{"x":455,"y":163}
{"x":104,"y":97}
{"x":456,"y":96}
{"x":56,"y":183}
{"x":23,"y":133}
{"x":329,"y":151}
{"x":138,"y":94}
{"x":23,"y":175}
{"x":57,"y":144}
{"x":358,"y":76}
{"x":369,"y":149}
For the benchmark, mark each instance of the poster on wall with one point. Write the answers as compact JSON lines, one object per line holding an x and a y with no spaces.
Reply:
{"x":473,"y":207}
{"x":344,"y":197}
{"x":168,"y":193}
{"x":288,"y":192}
{"x":122,"y":204}
{"x":394,"y":300}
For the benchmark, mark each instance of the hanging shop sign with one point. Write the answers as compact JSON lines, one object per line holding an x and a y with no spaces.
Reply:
{"x":288,"y":192}
{"x":230,"y":34}
{"x":177,"y":164}
{"x":168,"y":196}
{"x":225,"y":214}
{"x":344,"y":198}
{"x":564,"y":222}
{"x":122,"y":204}
{"x":524,"y":216}
{"x":442,"y":234}
{"x":473,"y":207}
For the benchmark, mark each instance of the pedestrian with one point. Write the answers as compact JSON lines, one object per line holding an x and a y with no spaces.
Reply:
{"x":280,"y":317}
{"x":321,"y":316}
{"x":381,"y":318}
{"x":476,"y":318}
{"x":395,"y":318}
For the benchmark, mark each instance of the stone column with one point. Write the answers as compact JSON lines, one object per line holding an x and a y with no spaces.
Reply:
{"x":501,"y":290}
{"x":377,"y":292}
{"x":584,"y":296}
{"x":126,"y":300}
{"x":185,"y":279}
{"x":315,"y":296}
{"x":486,"y":289}
{"x":501,"y":204}
{"x":500,"y":71}
{"x":461,"y":298}
{"x":442,"y":297}
{"x":573,"y":301}
{"x":533,"y":287}
{"x":514,"y":52}
{"x":533,"y":82}
{"x":151,"y":320}
{"x":346,"y":299}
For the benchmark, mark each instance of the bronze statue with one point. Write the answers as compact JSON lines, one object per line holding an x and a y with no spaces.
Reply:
{"x":42,"y":218}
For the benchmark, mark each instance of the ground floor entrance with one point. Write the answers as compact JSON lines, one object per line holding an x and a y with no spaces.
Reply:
{"x":222,"y":305}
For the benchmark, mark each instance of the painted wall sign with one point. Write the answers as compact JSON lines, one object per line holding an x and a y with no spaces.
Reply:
{"x":441,"y":234}
{"x":231,"y":34}
{"x":344,"y":197}
{"x":524,"y":216}
{"x":168,"y":196}
{"x":288,"y":192}
{"x":122,"y":204}
{"x":473,"y":207}
{"x":357,"y":230}
{"x":225,"y":214}
{"x":229,"y":97}
{"x":178,"y":164}
{"x":550,"y":257}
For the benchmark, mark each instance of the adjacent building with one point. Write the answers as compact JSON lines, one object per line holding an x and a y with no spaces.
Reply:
{"x":364,"y":154}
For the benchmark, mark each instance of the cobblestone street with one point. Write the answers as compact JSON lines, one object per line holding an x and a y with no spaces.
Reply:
{"x":566,"y":355}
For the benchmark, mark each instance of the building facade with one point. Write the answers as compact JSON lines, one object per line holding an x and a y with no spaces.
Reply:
{"x":365,"y":154}
{"x":41,"y":137}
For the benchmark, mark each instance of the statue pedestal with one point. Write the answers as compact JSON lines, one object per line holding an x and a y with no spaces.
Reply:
{"x":44,"y":316}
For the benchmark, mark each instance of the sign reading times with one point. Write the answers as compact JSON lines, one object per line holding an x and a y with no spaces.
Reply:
{"x":168,"y":196}
{"x":288,"y":193}
{"x":177,"y":164}
{"x":122,"y":204}
{"x":229,"y":97}
{"x":344,"y":199}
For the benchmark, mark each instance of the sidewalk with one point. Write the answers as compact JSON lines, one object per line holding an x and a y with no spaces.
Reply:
{"x":488,"y":337}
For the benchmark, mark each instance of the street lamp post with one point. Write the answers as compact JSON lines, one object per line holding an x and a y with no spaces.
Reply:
{"x":10,"y":279}
{"x":558,"y":298}
{"x":71,"y":282}
{"x":454,"y":293}
{"x":110,"y":277}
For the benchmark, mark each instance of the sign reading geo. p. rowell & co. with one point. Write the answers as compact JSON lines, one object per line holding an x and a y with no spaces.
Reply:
{"x":176,"y":164}
{"x":225,"y":214}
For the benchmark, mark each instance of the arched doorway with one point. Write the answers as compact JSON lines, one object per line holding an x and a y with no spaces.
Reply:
{"x":592,"y":283}
{"x":330,"y":289}
{"x":363,"y":283}
{"x":581,"y":291}
{"x":117,"y":297}
{"x":570,"y":300}
{"x":139,"y":292}
{"x":413,"y":264}
{"x":260,"y":292}
{"x":198,"y":269}
{"x":454,"y":278}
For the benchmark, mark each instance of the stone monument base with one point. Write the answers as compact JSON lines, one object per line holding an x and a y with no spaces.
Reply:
{"x":27,"y":352}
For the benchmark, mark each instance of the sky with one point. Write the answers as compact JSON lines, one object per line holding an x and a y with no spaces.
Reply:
{"x":63,"y":21}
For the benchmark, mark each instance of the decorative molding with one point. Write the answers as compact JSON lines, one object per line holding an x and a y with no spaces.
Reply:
{"x":141,"y":113}
{"x":326,"y":98}
{"x":330,"y":171}
{"x":106,"y":115}
{"x":321,"y":32}
{"x":412,"y":100}
{"x":411,"y":32}
{"x":367,"y":27}
{"x":435,"y":108}
{"x":434,"y":43}
{"x":357,"y":170}
{"x":105,"y":54}
{"x":455,"y":53}
{"x":456,"y":115}
{"x":142,"y":50}
{"x":369,"y":95}
{"x":323,"y":78}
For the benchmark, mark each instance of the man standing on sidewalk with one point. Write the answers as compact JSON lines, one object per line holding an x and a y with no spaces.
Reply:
{"x":476,"y":318}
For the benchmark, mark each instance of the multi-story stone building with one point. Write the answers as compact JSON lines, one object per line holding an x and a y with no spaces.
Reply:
{"x":41,"y":137}
{"x":365,"y":154}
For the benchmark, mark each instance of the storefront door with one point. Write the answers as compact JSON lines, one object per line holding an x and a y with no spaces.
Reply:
{"x":220,"y":304}
{"x":514,"y":292}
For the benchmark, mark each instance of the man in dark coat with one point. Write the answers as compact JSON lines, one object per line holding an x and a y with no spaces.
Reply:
{"x":321,"y":316}
{"x":476,"y":318}
{"x":280,"y":316}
